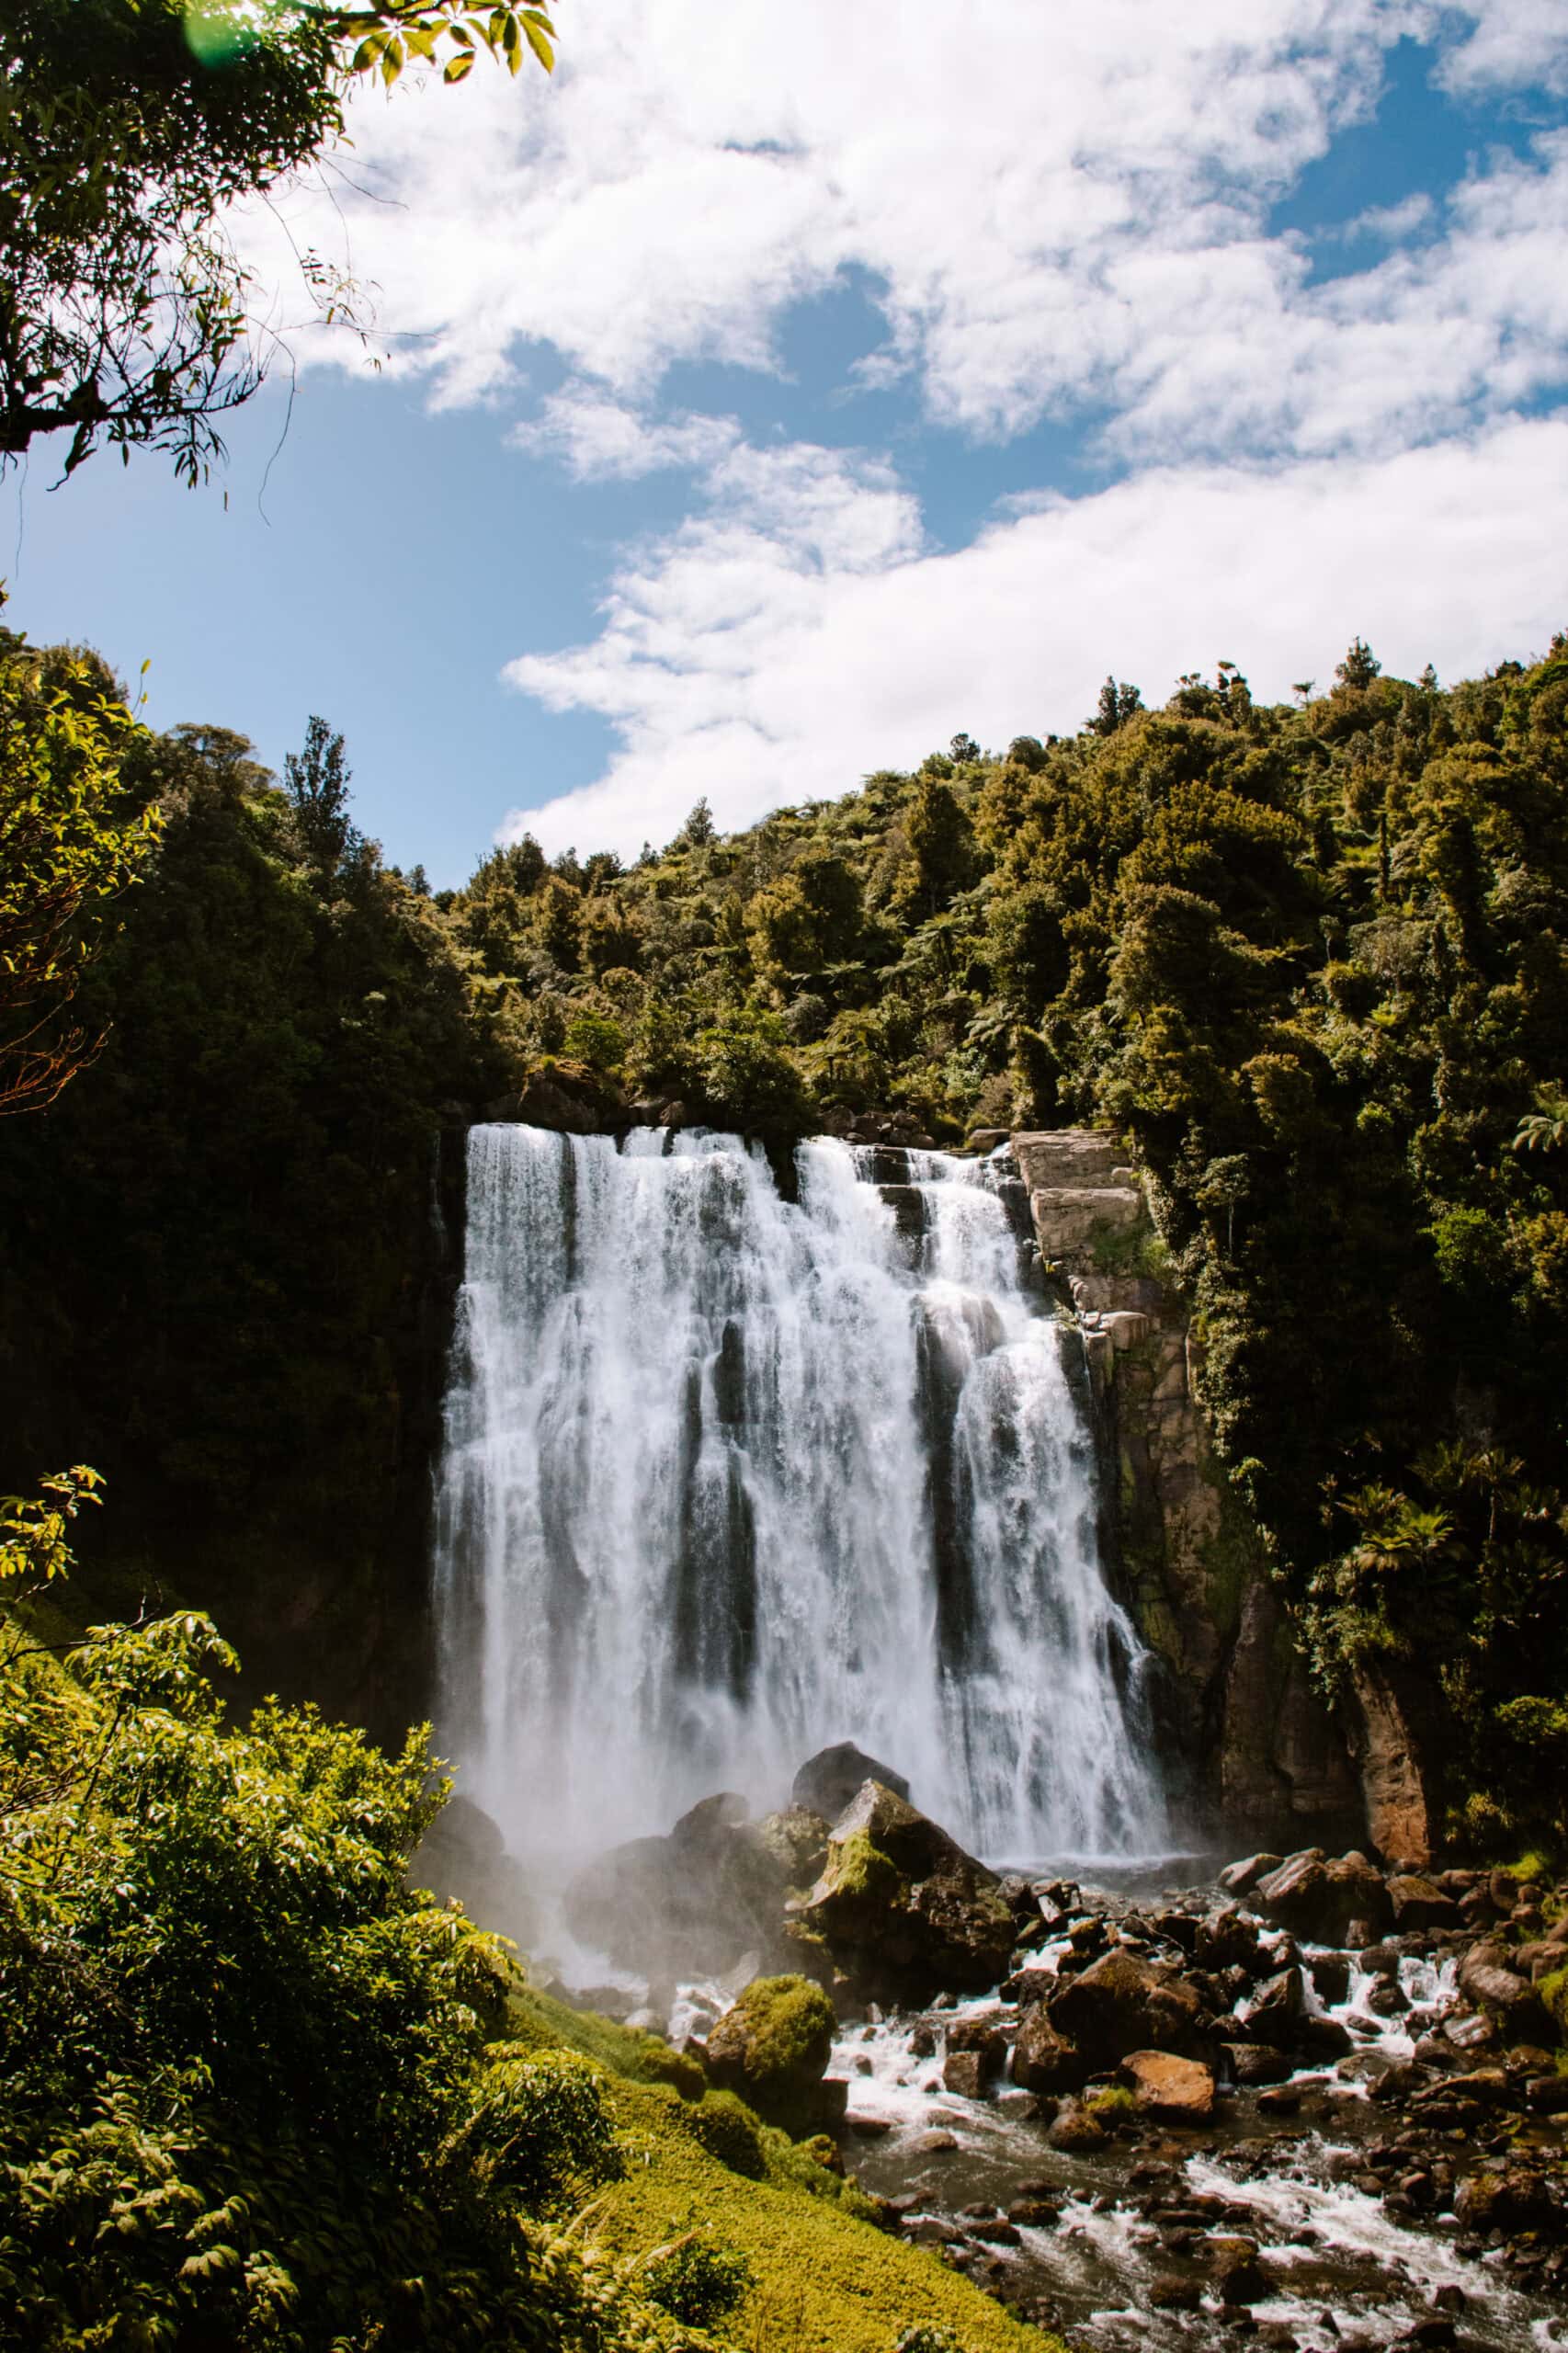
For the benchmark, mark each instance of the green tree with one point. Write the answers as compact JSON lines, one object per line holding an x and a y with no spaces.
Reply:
{"x":126,"y":127}
{"x":316,"y":781}
{"x":74,"y":837}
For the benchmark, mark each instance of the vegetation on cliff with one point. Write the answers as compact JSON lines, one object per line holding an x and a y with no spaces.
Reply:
{"x":1309,"y":960}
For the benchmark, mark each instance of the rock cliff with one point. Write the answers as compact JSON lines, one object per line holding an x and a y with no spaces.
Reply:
{"x":1252,"y":1738}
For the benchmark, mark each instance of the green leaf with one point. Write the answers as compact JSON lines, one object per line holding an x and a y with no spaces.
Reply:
{"x":459,"y":67}
{"x":538,"y":43}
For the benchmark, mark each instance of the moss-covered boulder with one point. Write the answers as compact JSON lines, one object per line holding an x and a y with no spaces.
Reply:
{"x":772,"y":2048}
{"x":902,"y":1908}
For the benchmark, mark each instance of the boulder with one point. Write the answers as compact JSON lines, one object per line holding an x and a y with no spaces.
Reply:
{"x":772,"y":2048}
{"x":1487,"y":1980}
{"x":1241,"y":1878}
{"x":1233,"y":2265}
{"x":1226,"y":1939}
{"x":902,"y":1908}
{"x":1121,"y":2003}
{"x":1272,"y":2012}
{"x":831,"y":1780}
{"x":1170,"y":2090}
{"x":699,"y":1899}
{"x":1253,"y":2063}
{"x":1318,"y":1898}
{"x":796,"y":1838}
{"x":1043,"y":2060}
{"x":1420,"y":1902}
{"x":965,"y":2072}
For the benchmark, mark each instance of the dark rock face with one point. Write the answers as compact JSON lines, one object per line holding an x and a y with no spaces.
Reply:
{"x":1121,"y":2003}
{"x":902,"y":1908}
{"x":831,"y":1780}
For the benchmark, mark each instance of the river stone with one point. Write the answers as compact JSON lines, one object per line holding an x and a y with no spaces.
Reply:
{"x":963,"y":2071}
{"x":902,"y":1908}
{"x":1271,"y":2012}
{"x":1234,"y":2263}
{"x":1253,"y":2063}
{"x":1318,"y":1898}
{"x":1121,"y":2003}
{"x":1043,"y":2060}
{"x":1504,"y":2197}
{"x":772,"y":2047}
{"x":1419,"y":1903}
{"x":1074,"y":2131}
{"x":1168,"y":2090}
{"x":830,"y":1780}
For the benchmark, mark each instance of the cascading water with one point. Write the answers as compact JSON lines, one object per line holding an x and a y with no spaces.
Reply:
{"x":729,"y":1477}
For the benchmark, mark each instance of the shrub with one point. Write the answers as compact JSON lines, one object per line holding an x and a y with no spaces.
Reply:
{"x":697,"y":2281}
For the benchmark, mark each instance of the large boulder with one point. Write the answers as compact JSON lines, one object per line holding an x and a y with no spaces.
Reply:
{"x":772,"y":2047}
{"x":699,"y":1899}
{"x":901,"y":1908}
{"x":1122,"y":2004}
{"x":832,"y":1780}
{"x":1420,"y":1902}
{"x":1317,"y":1897}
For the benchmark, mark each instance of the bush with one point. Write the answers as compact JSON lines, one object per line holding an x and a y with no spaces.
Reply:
{"x":697,"y":2281}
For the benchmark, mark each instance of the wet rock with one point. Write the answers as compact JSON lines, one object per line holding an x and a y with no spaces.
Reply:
{"x":935,"y":2144}
{"x":1487,"y":1980}
{"x":1331,"y":1975}
{"x":1058,"y":1898}
{"x":1253,"y":2063}
{"x":772,"y":2047}
{"x":902,"y":1908}
{"x":1227,"y":1940}
{"x":996,"y":2232}
{"x":1170,"y":2090}
{"x":1029,"y":1985}
{"x":1020,"y":2105}
{"x":922,"y":2043}
{"x":1504,"y":2197}
{"x":1387,"y":1999}
{"x":1034,"y":2213}
{"x":965,"y":2072}
{"x":1076,"y":2130}
{"x":1121,"y":2003}
{"x":1272,"y":2012}
{"x":796,"y":1838}
{"x":1174,"y":2291}
{"x":929,"y":2230}
{"x":1045,"y":2060}
{"x":1241,"y":1878}
{"x":1548,"y":2095}
{"x":868,"y":2128}
{"x":1397,"y":2082}
{"x":1420,"y":1902}
{"x":1234,"y":2269}
{"x":1319,"y":1898}
{"x":699,"y":1900}
{"x":831,"y":1781}
{"x":1322,"y":2039}
{"x":1283,"y":2101}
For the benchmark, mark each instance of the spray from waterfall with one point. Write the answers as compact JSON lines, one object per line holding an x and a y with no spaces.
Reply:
{"x":729,"y":1477}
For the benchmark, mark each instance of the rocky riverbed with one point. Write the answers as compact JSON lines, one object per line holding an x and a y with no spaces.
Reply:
{"x":1303,"y":2100}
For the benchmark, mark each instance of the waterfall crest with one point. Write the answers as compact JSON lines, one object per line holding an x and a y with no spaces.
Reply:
{"x":728,"y":1477}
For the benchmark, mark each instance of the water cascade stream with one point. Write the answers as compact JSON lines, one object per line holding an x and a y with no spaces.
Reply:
{"x":728,"y":1477}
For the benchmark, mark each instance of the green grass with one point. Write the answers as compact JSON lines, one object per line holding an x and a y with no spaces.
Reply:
{"x":824,"y":2277}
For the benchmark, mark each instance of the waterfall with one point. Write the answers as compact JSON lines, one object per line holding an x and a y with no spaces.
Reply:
{"x":728,"y":1477}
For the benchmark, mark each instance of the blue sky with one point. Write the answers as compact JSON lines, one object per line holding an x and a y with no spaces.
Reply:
{"x":765,"y":405}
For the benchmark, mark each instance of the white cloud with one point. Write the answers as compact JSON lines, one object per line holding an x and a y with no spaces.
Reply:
{"x":798,"y":635}
{"x":1389,"y":224}
{"x":1514,"y":44}
{"x":601,"y":439}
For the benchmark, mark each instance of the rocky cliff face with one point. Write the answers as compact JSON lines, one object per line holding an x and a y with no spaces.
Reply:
{"x":1255,"y":1742}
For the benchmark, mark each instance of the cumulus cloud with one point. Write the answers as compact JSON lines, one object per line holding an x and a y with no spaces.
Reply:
{"x":601,"y":439}
{"x":799,"y":634}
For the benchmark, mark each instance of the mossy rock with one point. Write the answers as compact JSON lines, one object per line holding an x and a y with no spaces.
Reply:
{"x":773,"y":2046}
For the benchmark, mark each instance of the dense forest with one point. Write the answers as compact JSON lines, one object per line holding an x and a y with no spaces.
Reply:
{"x":1308,"y":959}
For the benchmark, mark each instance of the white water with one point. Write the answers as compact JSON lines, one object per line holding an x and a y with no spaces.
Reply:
{"x":727,"y":1478}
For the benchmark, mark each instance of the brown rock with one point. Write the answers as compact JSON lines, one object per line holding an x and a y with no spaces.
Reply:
{"x":963,"y":2071}
{"x":1256,"y":2063}
{"x":1075,"y":2129}
{"x":1241,"y":1878}
{"x":1168,"y":2090}
{"x":1421,"y":1903}
{"x":1233,"y":2265}
{"x":902,"y":1908}
{"x":1383,"y":1741}
{"x":1318,"y":1898}
{"x":1487,"y":1980}
{"x":1121,"y":2003}
{"x":1044,"y":2060}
